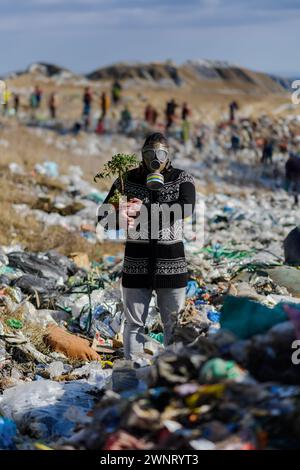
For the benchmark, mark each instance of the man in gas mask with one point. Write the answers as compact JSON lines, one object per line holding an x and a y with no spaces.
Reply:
{"x":154,"y":263}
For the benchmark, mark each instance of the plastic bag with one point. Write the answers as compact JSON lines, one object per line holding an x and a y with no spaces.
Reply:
{"x":40,"y":407}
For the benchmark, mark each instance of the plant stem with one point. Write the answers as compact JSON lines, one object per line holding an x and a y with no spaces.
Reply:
{"x":122,"y":182}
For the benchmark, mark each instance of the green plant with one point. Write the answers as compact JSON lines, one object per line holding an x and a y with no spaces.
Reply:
{"x":115,"y":198}
{"x":119,"y":166}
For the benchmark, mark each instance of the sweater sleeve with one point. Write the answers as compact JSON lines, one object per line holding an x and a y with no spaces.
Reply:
{"x":186,"y":201}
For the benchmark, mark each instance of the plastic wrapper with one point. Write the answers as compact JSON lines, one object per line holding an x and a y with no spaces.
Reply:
{"x":40,"y":408}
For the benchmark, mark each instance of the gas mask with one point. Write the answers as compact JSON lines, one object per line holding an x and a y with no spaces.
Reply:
{"x":155,"y":159}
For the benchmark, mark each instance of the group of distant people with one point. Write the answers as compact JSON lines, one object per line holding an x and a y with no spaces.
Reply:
{"x":126,"y":119}
{"x":170,"y":112}
{"x":6,"y":100}
{"x":264,"y":136}
{"x":257,"y":135}
{"x":151,"y":115}
{"x":36,"y":98}
{"x":249,"y":134}
{"x":105,"y":104}
{"x":12,"y":102}
{"x":35,"y":101}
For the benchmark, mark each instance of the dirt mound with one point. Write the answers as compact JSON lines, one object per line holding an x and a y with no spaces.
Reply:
{"x":201,"y":76}
{"x":196,"y":73}
{"x":152,"y":71}
{"x":46,"y":69}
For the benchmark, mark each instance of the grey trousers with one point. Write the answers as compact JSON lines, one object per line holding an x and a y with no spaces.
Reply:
{"x":136,"y":305}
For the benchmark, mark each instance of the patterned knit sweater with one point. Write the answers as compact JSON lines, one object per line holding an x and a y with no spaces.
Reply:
{"x":160,"y":262}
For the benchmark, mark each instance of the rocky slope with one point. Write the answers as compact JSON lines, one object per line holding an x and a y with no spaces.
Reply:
{"x":203,"y":74}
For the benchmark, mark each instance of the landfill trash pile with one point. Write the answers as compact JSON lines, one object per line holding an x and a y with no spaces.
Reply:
{"x":240,"y":231}
{"x":51,"y":370}
{"x":235,"y":389}
{"x":88,"y":145}
{"x":226,"y":381}
{"x":62,"y":200}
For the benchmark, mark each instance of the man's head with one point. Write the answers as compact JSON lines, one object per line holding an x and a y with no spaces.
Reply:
{"x":155,"y":152}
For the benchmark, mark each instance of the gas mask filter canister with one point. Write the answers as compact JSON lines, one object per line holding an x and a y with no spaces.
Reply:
{"x":155,"y":181}
{"x":155,"y":159}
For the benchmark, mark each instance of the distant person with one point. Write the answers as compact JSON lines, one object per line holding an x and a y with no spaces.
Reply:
{"x":33,"y":104}
{"x":170,"y":113}
{"x":87,"y":100}
{"x":200,"y":138}
{"x":52,"y":105}
{"x":126,"y":120}
{"x":6,"y":99}
{"x":185,"y":131}
{"x":267,"y":151}
{"x":235,"y":142}
{"x":185,"y":112}
{"x":16,"y":103}
{"x":100,"y":129}
{"x":38,"y":95}
{"x":116,"y":92}
{"x":76,"y":128}
{"x":87,"y":104}
{"x":233,"y":107}
{"x":150,"y":115}
{"x":105,"y":104}
{"x":199,"y":142}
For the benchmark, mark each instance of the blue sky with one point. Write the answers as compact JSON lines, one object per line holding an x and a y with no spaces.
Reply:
{"x":85,"y":34}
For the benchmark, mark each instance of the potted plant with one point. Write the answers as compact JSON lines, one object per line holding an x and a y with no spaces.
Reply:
{"x":119,"y":165}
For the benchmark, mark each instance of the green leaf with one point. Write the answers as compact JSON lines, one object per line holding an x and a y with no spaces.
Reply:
{"x":119,"y":165}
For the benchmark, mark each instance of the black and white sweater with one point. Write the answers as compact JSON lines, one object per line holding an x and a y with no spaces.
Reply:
{"x":157,"y":263}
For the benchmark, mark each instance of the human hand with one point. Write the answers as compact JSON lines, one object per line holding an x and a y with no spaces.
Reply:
{"x":124,"y":219}
{"x":134,"y":206}
{"x":128,"y":211}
